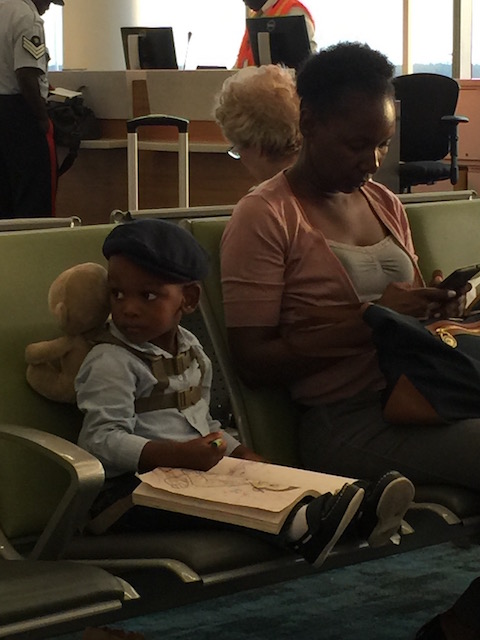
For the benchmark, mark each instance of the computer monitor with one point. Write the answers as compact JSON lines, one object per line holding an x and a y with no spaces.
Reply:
{"x":149,"y":48}
{"x":282,"y":40}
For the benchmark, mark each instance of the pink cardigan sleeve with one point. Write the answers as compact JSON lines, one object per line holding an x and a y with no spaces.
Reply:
{"x":253,"y":251}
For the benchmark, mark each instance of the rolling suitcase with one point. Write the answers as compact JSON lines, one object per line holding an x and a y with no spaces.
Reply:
{"x":132,"y":155}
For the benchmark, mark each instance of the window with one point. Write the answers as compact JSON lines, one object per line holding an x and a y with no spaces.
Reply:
{"x":54,"y":36}
{"x":432,"y":36}
{"x":216,"y":26}
{"x":476,"y":40}
{"x":376,"y":22}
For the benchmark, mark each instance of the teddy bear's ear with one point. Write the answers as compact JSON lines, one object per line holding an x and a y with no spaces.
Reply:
{"x":61,"y":313}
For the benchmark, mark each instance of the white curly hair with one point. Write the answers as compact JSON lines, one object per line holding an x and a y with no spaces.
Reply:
{"x":259,"y":107}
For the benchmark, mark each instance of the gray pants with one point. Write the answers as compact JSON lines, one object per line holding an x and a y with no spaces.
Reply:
{"x":351,"y":438}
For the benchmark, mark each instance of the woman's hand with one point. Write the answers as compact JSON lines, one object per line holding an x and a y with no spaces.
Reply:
{"x":247,"y":454}
{"x":455,"y":308}
{"x":419,"y":302}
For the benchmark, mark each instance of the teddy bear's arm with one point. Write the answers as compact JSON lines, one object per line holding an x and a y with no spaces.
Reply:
{"x":48,"y":350}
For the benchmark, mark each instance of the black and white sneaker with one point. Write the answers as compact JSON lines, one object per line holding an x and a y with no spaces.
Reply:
{"x":384,"y":506}
{"x":327,"y":517}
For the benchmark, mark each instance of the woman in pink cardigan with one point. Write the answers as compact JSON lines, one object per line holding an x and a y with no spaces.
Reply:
{"x":313,"y":246}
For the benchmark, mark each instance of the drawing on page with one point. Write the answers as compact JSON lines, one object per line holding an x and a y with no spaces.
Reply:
{"x":235,"y":479}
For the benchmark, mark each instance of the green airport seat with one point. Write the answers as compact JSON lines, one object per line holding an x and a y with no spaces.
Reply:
{"x":42,"y":518}
{"x":445,"y":234}
{"x":42,"y":599}
{"x":267,"y":418}
{"x":47,"y":483}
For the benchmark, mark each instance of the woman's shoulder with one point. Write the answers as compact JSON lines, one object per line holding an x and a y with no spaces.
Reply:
{"x":277,"y":184}
{"x":390,"y":210}
{"x":384,"y":201}
{"x":270,"y":198}
{"x":381,"y":193}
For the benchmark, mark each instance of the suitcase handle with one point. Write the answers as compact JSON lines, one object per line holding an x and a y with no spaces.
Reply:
{"x":158,"y":120}
{"x":132,"y":155}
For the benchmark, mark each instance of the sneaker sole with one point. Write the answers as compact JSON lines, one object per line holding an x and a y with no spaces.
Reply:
{"x":391,"y":508}
{"x":350,"y":512}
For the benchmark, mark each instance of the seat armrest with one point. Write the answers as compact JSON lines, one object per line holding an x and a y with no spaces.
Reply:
{"x":455,"y":119}
{"x":82,"y":476}
{"x":53,"y":597}
{"x":452,"y":123}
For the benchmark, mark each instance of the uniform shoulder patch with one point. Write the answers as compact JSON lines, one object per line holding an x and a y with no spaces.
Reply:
{"x":35,"y":47}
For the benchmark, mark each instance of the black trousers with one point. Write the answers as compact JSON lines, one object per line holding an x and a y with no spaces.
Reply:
{"x":146,"y":519}
{"x":27,"y":163}
{"x":140,"y":518}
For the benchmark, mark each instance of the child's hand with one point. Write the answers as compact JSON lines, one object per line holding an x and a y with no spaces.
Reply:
{"x":203,"y":453}
{"x":200,"y":453}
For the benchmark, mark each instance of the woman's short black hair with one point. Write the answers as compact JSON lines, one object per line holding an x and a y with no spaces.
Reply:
{"x":327,"y":76}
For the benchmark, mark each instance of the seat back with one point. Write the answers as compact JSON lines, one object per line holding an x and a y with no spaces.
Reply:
{"x":219,"y":399}
{"x":437,"y":196}
{"x":35,"y":497}
{"x":425,"y":98}
{"x":22,"y":224}
{"x":266,"y":418}
{"x":29,"y":262}
{"x":445,"y":234}
{"x":174,"y":214}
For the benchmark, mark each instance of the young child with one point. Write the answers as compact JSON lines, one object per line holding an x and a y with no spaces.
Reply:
{"x":145,"y":390}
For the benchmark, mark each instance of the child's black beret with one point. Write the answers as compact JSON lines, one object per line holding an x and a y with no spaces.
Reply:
{"x":160,"y":247}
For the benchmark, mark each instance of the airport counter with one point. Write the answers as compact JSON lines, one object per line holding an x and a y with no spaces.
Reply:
{"x":97,"y":182}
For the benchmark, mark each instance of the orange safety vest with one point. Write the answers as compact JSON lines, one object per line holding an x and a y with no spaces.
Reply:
{"x":281,"y":8}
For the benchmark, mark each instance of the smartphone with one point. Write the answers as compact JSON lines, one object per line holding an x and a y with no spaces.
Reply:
{"x":459,"y":278}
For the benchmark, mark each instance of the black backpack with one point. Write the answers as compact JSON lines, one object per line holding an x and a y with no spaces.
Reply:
{"x":431,"y":367}
{"x":72,"y":123}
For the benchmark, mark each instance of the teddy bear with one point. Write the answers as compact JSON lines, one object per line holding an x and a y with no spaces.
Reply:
{"x":79,"y":301}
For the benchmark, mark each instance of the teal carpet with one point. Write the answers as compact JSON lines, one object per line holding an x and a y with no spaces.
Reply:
{"x":387,"y":599}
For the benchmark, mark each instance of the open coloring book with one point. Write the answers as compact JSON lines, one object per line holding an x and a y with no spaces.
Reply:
{"x":242,"y":492}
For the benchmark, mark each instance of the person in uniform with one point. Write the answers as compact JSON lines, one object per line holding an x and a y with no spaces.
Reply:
{"x":274,"y":9}
{"x":27,"y":150}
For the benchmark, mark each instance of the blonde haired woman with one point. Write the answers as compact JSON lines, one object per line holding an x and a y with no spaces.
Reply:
{"x":258,"y":112}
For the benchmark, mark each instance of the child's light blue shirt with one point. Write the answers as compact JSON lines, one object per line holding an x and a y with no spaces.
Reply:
{"x":111,"y":378}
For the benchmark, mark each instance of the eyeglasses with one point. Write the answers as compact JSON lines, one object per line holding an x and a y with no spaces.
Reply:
{"x":234,"y":152}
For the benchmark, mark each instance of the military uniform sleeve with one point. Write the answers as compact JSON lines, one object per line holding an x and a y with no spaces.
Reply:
{"x":29,"y":49}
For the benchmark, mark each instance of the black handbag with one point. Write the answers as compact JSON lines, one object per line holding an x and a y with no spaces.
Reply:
{"x":431,"y":367}
{"x":72,"y":123}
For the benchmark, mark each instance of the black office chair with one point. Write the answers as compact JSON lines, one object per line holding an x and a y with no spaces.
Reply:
{"x":428,"y":129}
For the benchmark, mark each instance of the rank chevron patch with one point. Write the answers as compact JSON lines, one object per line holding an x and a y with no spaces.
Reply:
{"x":35,"y":46}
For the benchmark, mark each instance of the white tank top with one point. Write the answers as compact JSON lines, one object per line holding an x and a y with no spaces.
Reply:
{"x":373,"y":267}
